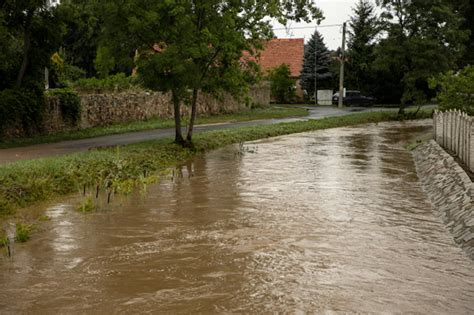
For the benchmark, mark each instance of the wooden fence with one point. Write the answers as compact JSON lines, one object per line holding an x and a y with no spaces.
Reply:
{"x":454,"y":131}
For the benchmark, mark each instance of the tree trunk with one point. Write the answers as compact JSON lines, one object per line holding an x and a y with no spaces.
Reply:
{"x":26,"y":48}
{"x":401,"y":109}
{"x":177,"y":119}
{"x":189,"y":137}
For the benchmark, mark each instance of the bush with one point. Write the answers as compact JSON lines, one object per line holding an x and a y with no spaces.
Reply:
{"x":70,"y":104}
{"x":21,"y":108}
{"x":282,"y":85}
{"x":62,"y":73}
{"x":114,"y":83}
{"x":73,"y":73}
{"x":456,"y":90}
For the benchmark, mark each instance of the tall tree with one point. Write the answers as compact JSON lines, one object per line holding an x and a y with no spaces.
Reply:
{"x":82,"y":26}
{"x":33,"y":33}
{"x":419,"y":32}
{"x":465,"y":9}
{"x":186,"y":47}
{"x":316,"y":64}
{"x":9,"y":53}
{"x":363,"y":29}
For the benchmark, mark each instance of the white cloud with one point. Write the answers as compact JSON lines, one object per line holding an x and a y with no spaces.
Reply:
{"x":335,"y":12}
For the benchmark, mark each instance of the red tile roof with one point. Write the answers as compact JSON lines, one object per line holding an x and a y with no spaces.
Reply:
{"x":280,"y":51}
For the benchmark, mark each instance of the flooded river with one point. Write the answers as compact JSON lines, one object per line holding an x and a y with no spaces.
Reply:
{"x":333,"y":220}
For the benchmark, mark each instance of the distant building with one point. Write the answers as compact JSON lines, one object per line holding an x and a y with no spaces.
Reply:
{"x":280,"y":51}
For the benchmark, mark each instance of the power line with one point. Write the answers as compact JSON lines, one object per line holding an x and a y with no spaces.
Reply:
{"x":305,"y":27}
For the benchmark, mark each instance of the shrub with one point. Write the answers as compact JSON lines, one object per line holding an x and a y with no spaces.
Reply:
{"x":114,"y":83}
{"x":73,"y":73}
{"x":456,"y":90}
{"x":63,"y":73}
{"x":22,"y":108}
{"x":70,"y":104}
{"x":282,"y":85}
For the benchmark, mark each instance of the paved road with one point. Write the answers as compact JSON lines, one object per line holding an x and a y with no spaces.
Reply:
{"x":74,"y":146}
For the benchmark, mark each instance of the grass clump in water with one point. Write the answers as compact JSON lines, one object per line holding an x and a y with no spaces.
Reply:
{"x":3,"y":238}
{"x":87,"y":206}
{"x":23,"y":232}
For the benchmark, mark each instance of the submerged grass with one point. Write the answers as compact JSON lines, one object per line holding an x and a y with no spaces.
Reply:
{"x":272,"y":112}
{"x":23,"y":232}
{"x":119,"y":170}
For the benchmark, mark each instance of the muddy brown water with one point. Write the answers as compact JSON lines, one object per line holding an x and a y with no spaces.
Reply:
{"x":333,"y":220}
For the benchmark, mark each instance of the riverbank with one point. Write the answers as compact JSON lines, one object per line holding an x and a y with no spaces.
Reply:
{"x":450,"y":190}
{"x":105,"y":172}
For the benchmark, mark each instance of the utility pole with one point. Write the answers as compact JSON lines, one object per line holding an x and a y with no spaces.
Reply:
{"x":315,"y":70}
{"x":341,"y":74}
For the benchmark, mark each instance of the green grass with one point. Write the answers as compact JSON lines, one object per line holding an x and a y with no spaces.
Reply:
{"x":120,"y":170}
{"x":155,"y":123}
{"x":23,"y":232}
{"x":419,"y":141}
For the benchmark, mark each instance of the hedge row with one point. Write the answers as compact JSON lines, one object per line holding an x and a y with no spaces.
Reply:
{"x":24,"y":109}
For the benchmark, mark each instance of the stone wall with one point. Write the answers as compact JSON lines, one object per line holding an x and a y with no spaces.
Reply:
{"x":53,"y":118}
{"x":50,"y":122}
{"x":104,"y":109}
{"x":451,"y":191}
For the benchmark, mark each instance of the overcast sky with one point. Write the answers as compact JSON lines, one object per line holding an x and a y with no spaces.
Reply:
{"x":335,"y":12}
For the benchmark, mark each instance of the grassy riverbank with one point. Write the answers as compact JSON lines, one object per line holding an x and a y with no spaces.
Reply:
{"x":120,"y":170}
{"x":273,"y":112}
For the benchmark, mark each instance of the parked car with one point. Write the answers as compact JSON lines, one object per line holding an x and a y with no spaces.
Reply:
{"x":354,"y":98}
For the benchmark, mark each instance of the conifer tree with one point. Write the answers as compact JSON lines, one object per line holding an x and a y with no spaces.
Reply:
{"x":363,"y":30}
{"x":316,"y":46}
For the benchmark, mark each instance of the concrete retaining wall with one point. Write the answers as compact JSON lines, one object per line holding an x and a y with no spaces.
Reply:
{"x":451,"y":191}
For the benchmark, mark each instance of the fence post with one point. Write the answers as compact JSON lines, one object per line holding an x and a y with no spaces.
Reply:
{"x":456,"y":139}
{"x":448,"y":129}
{"x":445,"y":129}
{"x":435,"y":124}
{"x":441,"y":129}
{"x":453,"y":117}
{"x":465,"y":142}
{"x":471,"y":148}
{"x":461,"y":136}
{"x":451,"y":129}
{"x":468,"y":141}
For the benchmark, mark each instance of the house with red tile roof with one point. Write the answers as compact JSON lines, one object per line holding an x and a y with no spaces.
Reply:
{"x":280,"y":51}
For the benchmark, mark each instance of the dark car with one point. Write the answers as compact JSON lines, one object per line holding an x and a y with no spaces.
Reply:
{"x":354,"y":98}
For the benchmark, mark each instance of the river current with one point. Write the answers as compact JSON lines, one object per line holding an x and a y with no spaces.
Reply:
{"x":333,"y":220}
